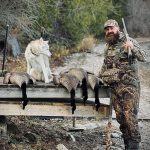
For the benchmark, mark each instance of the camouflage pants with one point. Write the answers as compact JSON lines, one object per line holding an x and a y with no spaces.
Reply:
{"x":125,"y":101}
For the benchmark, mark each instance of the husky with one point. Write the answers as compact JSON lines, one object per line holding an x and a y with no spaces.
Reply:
{"x":37,"y":55}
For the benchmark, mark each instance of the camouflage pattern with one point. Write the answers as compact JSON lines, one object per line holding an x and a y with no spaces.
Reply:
{"x":125,"y":101}
{"x":110,"y":22}
{"x":125,"y":92}
{"x":111,"y":76}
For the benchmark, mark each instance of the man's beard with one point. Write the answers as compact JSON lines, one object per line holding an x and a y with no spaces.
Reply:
{"x":112,"y":38}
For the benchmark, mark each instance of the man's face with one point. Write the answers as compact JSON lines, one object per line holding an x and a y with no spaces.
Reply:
{"x":111,"y":34}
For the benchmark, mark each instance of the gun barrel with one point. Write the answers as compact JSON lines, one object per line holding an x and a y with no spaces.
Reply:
{"x":127,"y":38}
{"x":124,"y":28}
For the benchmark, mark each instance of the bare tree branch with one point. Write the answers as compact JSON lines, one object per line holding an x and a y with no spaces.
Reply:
{"x":20,"y":14}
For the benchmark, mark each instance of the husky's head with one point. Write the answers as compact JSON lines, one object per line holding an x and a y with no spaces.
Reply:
{"x":44,"y":47}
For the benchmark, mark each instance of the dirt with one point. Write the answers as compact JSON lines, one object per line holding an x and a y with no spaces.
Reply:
{"x":45,"y":133}
{"x":32,"y":133}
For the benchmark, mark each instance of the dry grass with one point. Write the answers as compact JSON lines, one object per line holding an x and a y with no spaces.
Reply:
{"x":58,"y":56}
{"x":86,"y":44}
{"x":16,"y":64}
{"x":60,"y":52}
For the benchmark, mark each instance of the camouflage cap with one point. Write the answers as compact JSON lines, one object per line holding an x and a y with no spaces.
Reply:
{"x":110,"y":23}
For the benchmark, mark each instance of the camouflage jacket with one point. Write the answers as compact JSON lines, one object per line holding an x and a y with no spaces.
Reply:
{"x":116,"y":57}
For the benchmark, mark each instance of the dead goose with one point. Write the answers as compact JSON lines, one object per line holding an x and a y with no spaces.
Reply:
{"x":70,"y":82}
{"x":94,"y":82}
{"x":81,"y":75}
{"x":21,"y":79}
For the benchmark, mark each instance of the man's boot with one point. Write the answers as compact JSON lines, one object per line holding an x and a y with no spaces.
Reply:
{"x":132,"y":145}
{"x":126,"y":144}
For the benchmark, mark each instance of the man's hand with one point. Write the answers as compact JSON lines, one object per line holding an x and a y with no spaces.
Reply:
{"x":126,"y":45}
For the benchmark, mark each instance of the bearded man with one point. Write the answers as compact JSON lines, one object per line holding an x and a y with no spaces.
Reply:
{"x":123,"y":79}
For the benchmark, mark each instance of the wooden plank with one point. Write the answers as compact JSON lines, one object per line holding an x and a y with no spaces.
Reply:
{"x":52,"y":101}
{"x":53,"y":109}
{"x":42,"y":90}
{"x":50,"y":92}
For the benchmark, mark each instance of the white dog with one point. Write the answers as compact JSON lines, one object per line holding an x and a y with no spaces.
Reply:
{"x":37,"y":55}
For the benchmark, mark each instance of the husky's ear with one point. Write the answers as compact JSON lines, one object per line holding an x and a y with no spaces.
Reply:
{"x":41,"y":40}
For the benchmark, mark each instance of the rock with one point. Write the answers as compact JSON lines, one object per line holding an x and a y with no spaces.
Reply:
{"x":13,"y":146}
{"x":99,"y":49}
{"x":4,"y":145}
{"x":12,"y":128}
{"x":99,"y":147}
{"x":61,"y":147}
{"x":16,"y":138}
{"x":87,"y":126}
{"x":58,"y":139}
{"x":13,"y":42}
{"x":146,"y":47}
{"x":115,"y":148}
{"x":72,"y":137}
{"x":91,"y":125}
{"x":31,"y":137}
{"x":115,"y":135}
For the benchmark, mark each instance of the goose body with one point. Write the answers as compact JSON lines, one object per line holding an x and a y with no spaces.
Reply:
{"x":81,"y":75}
{"x":21,"y":79}
{"x":70,"y":82}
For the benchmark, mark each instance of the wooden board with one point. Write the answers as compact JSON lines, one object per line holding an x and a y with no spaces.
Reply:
{"x":42,"y":90}
{"x":49,"y":100}
{"x":53,"y":109}
{"x":48,"y":92}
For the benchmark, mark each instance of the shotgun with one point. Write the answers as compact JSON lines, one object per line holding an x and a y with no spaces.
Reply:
{"x":127,"y":38}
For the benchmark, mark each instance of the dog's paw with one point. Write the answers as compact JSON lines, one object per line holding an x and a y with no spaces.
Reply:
{"x":49,"y":80}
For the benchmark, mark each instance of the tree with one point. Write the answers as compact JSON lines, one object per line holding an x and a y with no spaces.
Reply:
{"x":20,"y":15}
{"x":69,"y":21}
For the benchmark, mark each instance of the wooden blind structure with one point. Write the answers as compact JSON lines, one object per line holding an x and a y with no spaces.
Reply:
{"x":50,"y":100}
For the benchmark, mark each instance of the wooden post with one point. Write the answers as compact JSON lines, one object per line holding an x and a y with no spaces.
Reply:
{"x":3,"y":127}
{"x":74,"y":121}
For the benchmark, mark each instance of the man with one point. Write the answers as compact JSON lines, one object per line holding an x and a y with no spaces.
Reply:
{"x":123,"y":78}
